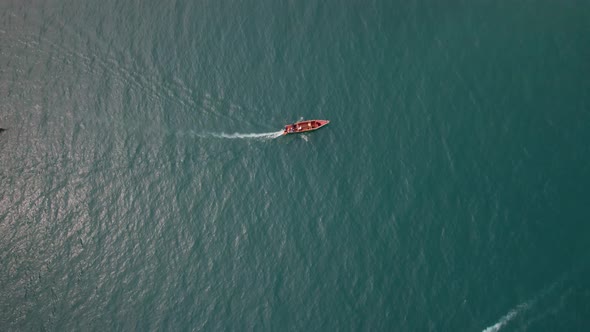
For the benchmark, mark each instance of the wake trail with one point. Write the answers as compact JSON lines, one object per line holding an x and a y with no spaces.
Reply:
{"x":270,"y":135}
{"x":519,"y":309}
{"x":508,"y":317}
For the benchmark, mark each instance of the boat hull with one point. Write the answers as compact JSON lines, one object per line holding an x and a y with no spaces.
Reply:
{"x":304,"y":126}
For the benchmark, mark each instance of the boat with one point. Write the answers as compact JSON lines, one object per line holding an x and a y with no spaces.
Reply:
{"x":304,"y":126}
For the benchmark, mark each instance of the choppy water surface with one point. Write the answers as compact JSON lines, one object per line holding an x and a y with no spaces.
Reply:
{"x":144,"y":184}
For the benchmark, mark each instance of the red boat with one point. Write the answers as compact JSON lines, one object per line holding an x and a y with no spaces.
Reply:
{"x":304,"y":126}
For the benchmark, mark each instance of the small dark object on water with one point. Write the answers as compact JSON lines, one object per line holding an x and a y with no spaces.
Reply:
{"x":2,"y":129}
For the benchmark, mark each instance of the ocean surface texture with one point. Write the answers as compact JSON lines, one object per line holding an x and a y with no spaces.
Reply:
{"x":144,"y":185}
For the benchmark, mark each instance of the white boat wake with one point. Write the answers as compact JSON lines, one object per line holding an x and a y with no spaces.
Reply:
{"x":508,"y":317}
{"x":525,"y":306}
{"x":264,"y":136}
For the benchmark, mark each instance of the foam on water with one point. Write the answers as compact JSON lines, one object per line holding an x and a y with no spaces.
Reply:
{"x":508,"y":317}
{"x":533,"y":302}
{"x":271,"y":135}
{"x":260,"y":136}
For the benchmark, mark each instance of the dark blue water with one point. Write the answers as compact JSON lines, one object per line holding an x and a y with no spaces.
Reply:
{"x":144,"y":185}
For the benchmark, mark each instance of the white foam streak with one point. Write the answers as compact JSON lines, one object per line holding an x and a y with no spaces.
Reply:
{"x":270,"y":135}
{"x":508,"y":317}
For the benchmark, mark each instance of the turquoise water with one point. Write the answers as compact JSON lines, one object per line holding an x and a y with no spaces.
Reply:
{"x":143,"y":186}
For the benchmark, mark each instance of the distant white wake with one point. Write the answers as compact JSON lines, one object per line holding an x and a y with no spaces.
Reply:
{"x":271,"y":135}
{"x":508,"y":317}
{"x":521,"y":308}
{"x":260,"y":136}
